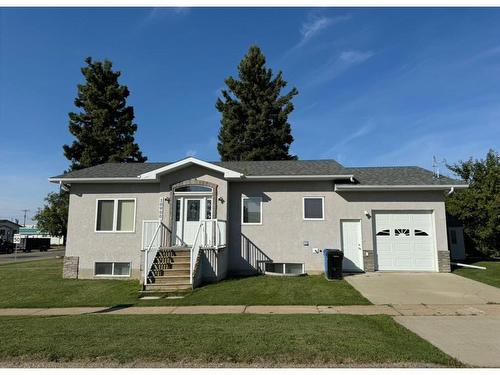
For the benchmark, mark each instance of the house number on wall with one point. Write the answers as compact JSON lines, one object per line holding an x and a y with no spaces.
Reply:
{"x":160,"y":213}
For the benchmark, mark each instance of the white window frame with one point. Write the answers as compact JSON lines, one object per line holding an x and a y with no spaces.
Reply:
{"x":115,"y":214}
{"x":113,"y":270}
{"x":243,"y":197}
{"x":304,"y":208}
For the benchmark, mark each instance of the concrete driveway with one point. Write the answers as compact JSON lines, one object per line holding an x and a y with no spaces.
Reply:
{"x":473,"y":340}
{"x":383,"y":288}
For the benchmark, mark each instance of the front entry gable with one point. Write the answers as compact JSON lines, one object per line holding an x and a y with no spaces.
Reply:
{"x":155,"y":174}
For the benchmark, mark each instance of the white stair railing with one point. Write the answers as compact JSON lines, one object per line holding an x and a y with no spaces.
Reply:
{"x":195,"y":249}
{"x":211,"y":233}
{"x":152,"y":250}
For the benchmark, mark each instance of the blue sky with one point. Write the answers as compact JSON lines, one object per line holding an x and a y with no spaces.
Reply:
{"x":376,"y":86}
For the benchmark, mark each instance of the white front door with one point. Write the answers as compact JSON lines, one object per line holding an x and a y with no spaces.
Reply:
{"x":351,"y":245}
{"x":189,"y":213}
{"x":405,"y":241}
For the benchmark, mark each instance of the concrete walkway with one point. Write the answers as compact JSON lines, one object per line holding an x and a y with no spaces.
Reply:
{"x":421,"y":310}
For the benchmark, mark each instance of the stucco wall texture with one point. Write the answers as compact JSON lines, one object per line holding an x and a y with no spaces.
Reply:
{"x":280,"y":237}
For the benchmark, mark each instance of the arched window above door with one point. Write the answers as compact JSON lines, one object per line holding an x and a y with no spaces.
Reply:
{"x":193,"y":189}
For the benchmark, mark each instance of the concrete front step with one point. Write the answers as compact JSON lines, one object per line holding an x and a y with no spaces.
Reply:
{"x":168,"y":280}
{"x":168,"y":288}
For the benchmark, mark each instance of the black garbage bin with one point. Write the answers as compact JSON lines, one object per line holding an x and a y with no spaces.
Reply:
{"x":333,"y":263}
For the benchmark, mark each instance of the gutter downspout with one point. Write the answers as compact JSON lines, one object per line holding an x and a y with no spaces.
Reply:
{"x":452,"y":190}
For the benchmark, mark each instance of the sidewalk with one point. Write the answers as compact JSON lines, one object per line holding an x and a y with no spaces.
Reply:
{"x":391,"y":310}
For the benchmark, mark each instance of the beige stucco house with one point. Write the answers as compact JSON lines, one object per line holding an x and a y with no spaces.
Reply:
{"x":175,"y":225}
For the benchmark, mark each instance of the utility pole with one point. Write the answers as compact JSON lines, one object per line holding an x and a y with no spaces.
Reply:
{"x":25,"y":212}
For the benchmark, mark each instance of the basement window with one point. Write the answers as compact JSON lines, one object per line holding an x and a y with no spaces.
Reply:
{"x":120,"y":269}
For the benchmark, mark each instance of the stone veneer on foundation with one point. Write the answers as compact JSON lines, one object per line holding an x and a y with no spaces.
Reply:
{"x":444,"y":261}
{"x":70,"y":267}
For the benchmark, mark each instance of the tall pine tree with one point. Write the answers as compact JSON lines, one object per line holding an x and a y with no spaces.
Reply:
{"x":254,"y":124}
{"x":104,"y":129}
{"x":104,"y":132}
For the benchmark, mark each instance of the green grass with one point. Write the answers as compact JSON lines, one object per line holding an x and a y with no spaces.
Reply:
{"x":268,"y":290}
{"x":40,"y":284}
{"x":489,"y":276}
{"x":199,"y":340}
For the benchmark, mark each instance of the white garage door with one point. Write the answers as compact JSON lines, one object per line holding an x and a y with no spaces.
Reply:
{"x":405,"y":241}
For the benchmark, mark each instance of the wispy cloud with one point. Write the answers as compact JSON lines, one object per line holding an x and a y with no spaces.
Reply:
{"x":314,"y":25}
{"x":337,"y":66}
{"x":359,"y":133}
{"x":191,"y":153}
{"x":159,"y":13}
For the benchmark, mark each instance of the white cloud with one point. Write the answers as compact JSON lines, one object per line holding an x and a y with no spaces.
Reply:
{"x":355,"y":57}
{"x":315,"y":24}
{"x":338,"y":66}
{"x":359,"y":133}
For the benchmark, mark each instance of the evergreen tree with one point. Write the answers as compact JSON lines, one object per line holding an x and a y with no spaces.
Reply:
{"x":254,"y":124}
{"x":478,"y":206}
{"x":104,"y":130}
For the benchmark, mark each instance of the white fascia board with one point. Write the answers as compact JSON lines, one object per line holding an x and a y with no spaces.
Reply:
{"x":396,"y":187}
{"x":299,"y":178}
{"x":96,"y":180}
{"x":153,"y":175}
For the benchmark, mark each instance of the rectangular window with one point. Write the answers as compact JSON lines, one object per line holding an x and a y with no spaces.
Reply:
{"x":112,"y":269}
{"x":453,"y":236}
{"x":314,"y":208}
{"x":177,"y":210}
{"x":115,"y":215}
{"x":251,"y":210}
{"x":125,"y":219}
{"x":105,"y":213}
{"x":193,"y":210}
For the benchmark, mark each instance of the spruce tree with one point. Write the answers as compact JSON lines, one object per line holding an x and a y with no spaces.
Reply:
{"x":104,"y":132}
{"x":254,"y":124}
{"x":104,"y":129}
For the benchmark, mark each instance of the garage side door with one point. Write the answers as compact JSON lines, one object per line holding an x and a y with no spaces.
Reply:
{"x":405,"y":241}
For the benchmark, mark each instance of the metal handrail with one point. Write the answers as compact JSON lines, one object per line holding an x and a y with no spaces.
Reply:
{"x":147,"y":267}
{"x":195,"y":252}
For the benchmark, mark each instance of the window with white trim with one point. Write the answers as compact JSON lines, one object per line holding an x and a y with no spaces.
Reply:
{"x":112,"y":269}
{"x":251,"y":210}
{"x":115,"y":215}
{"x":313,"y":208}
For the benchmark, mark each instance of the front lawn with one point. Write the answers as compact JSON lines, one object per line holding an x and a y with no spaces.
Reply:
{"x":210,"y":340}
{"x":489,"y":276}
{"x":40,"y":284}
{"x":269,"y":290}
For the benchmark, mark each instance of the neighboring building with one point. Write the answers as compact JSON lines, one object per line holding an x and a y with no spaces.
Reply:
{"x":31,"y":231}
{"x":193,"y":221}
{"x":7,"y":229}
{"x":456,"y":238}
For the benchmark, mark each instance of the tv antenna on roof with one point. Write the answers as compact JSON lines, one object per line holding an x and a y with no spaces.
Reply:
{"x":435,"y":166}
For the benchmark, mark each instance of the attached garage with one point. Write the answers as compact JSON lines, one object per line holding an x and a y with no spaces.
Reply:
{"x":405,"y":241}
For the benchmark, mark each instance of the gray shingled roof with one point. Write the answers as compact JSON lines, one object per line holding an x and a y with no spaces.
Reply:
{"x":284,"y":167}
{"x":365,"y":175}
{"x":398,"y":176}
